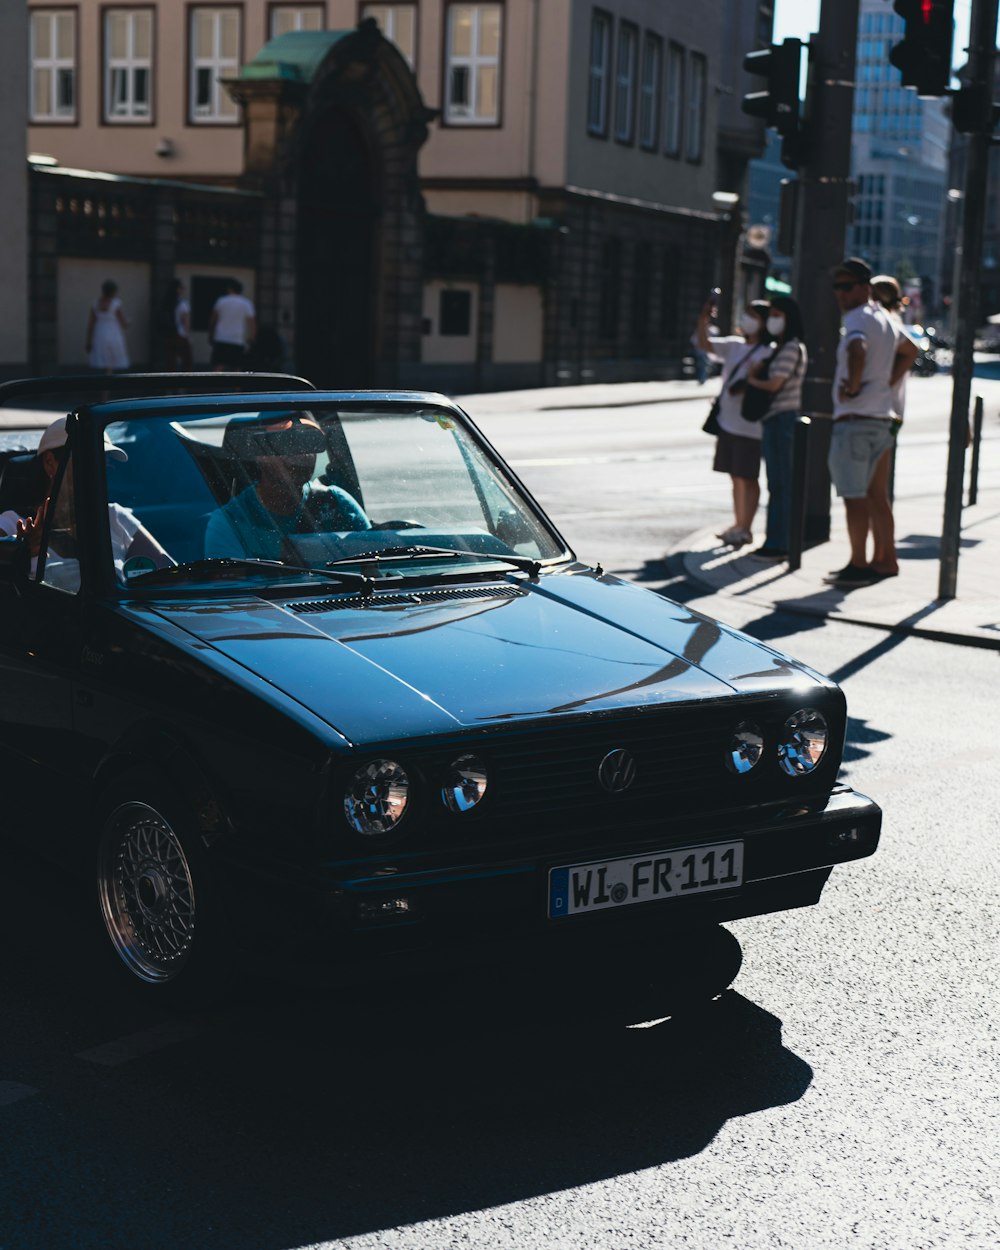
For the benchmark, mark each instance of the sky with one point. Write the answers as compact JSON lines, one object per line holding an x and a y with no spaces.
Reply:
{"x":798,"y":19}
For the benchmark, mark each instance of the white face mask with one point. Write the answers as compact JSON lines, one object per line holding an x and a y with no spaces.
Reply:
{"x":776,"y":325}
{"x":749,"y":324}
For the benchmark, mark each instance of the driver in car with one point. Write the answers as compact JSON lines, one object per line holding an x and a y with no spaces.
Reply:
{"x":261,"y":521}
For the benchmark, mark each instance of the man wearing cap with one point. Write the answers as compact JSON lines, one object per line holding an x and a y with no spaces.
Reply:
{"x":129,"y":537}
{"x":260,"y":521}
{"x":871,"y":358}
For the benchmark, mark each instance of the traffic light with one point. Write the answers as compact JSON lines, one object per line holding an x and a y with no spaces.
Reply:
{"x":923,"y":56}
{"x":778,"y":105}
{"x":974,"y":111}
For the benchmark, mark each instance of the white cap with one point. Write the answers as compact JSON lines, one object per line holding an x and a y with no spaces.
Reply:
{"x":55,"y":436}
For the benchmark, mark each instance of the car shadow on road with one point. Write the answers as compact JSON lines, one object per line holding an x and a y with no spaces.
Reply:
{"x":298,"y":1118}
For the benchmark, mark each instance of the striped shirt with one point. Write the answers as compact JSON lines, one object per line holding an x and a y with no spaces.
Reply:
{"x":789,"y":361}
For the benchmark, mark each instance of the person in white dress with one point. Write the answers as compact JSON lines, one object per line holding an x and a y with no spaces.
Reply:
{"x":107,"y":350}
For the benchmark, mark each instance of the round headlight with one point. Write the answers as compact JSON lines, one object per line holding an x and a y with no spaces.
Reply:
{"x":465,"y":784}
{"x":745,"y":748}
{"x":803,"y":742}
{"x":376,"y":797}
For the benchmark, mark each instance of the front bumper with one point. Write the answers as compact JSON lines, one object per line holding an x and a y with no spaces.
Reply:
{"x":446,"y":911}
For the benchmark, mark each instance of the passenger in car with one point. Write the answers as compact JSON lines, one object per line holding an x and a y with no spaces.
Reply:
{"x":261,"y":521}
{"x":129,"y":537}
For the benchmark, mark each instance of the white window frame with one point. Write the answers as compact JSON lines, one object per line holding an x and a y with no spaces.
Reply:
{"x":129,"y":65}
{"x":298,"y":11}
{"x":697,"y":93}
{"x":650,"y":87}
{"x":54,"y":65}
{"x":673,"y":119}
{"x":465,"y":115}
{"x":626,"y":66}
{"x":599,"y":79}
{"x":215,"y":63}
{"x":386,"y":16}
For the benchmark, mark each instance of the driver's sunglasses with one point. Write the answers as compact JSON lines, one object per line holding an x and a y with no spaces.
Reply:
{"x":844,"y":286}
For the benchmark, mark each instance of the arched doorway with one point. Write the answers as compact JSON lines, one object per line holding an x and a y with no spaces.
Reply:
{"x":339,"y":222}
{"x":334,"y":122}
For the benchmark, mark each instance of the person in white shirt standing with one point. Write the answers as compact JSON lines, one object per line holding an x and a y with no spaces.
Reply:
{"x":232,"y":327}
{"x":872,"y":357}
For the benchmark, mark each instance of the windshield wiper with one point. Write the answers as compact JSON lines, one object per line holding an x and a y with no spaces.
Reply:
{"x":524,"y":563}
{"x":213,"y":564}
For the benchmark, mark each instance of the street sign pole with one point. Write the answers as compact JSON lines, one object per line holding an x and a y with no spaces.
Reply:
{"x":982,"y":53}
{"x":823,"y":198}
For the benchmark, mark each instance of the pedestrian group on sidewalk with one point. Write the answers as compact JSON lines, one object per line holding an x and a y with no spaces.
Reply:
{"x":763,"y":368}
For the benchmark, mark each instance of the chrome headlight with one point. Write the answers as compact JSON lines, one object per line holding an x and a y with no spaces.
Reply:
{"x":803,"y":742}
{"x":745,"y":748}
{"x":465,"y":784}
{"x":376,"y":797}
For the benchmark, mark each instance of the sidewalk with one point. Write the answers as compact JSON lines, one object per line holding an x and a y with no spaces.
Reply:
{"x":904,"y":604}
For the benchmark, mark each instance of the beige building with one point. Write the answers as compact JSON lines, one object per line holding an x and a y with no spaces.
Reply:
{"x":592,"y":127}
{"x":13,"y":195}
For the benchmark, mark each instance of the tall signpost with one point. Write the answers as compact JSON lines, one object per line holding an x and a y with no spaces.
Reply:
{"x":972,"y":111}
{"x":821,"y":229}
{"x":817,"y":142}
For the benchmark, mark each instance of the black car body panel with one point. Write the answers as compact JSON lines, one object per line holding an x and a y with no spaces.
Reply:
{"x":602,"y":715}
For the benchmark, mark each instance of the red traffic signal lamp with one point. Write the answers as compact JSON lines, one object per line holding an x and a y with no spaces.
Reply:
{"x":923,"y":56}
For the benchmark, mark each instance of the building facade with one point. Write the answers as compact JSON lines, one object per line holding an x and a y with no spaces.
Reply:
{"x":13,"y":194}
{"x":538,"y":177}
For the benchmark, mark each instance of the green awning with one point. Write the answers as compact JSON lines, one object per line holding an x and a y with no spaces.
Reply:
{"x":294,"y":56}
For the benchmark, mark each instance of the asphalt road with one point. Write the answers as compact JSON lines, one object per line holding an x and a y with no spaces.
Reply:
{"x":843,"y":1094}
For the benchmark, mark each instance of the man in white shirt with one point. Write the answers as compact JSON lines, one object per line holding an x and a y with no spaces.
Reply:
{"x":871,"y":358}
{"x":232,"y":327}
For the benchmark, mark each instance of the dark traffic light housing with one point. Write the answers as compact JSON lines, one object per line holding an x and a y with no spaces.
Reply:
{"x":923,"y":56}
{"x":778,"y":104}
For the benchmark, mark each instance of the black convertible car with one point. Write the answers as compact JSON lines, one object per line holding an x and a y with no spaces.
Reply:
{"x":303,"y":674}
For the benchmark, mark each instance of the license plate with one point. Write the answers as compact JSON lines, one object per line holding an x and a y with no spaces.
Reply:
{"x":654,"y":876}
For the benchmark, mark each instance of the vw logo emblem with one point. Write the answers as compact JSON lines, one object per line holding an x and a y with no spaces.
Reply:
{"x":616,"y":771}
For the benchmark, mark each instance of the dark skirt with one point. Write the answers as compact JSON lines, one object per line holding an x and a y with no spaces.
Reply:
{"x":737,"y":456}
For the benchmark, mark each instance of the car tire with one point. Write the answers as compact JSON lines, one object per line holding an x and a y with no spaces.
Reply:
{"x":701,"y":966}
{"x":156,"y":895}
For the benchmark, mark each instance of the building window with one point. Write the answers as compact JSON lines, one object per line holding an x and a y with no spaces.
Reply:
{"x":649,"y":92}
{"x":455,"y":314}
{"x":696,"y":107}
{"x":128,"y":65}
{"x":53,"y":66}
{"x":628,"y":43}
{"x":215,"y":54}
{"x":398,"y":22}
{"x":600,"y":67}
{"x":673,"y":124}
{"x":288,"y":17}
{"x":472,"y":91}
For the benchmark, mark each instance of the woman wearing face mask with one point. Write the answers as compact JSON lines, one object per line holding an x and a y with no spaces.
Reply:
{"x":737,"y":448}
{"x":785,"y":372}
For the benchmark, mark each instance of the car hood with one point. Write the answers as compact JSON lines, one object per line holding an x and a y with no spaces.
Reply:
{"x":433,"y":661}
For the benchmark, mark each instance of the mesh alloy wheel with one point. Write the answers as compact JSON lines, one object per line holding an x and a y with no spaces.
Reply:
{"x":146,"y":892}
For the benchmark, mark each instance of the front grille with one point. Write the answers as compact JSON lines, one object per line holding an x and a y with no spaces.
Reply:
{"x":414,"y":598}
{"x":549,"y":776}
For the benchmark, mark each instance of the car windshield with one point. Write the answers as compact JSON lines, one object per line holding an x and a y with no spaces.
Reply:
{"x":379,"y":490}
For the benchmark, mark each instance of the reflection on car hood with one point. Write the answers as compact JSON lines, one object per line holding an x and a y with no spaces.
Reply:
{"x":431,"y":661}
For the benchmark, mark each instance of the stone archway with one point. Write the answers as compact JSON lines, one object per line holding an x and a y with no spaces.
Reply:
{"x":335,"y":121}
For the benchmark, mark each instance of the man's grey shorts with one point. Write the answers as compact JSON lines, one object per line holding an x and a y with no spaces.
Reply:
{"x":856,"y":447}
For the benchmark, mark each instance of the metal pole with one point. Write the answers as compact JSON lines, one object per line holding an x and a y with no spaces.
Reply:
{"x":821,"y":229}
{"x":982,"y":52}
{"x":800,"y":463}
{"x":977,"y":438}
